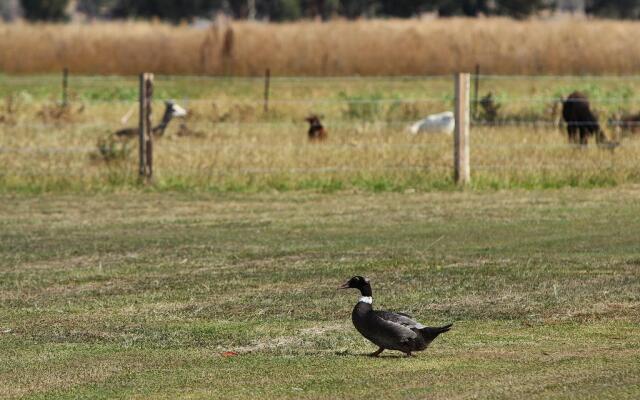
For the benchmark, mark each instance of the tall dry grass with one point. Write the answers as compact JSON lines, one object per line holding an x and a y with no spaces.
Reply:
{"x":378,"y":47}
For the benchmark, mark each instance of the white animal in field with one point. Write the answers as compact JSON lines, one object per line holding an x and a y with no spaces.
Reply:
{"x":435,"y":123}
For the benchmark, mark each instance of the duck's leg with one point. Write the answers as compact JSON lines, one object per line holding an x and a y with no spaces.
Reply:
{"x":408,"y":353}
{"x":377,"y":352}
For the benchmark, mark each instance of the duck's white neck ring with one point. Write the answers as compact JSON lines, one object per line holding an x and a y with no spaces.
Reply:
{"x":366,"y":299}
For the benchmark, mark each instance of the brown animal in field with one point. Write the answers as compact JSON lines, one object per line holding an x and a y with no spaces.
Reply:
{"x":316,"y":130}
{"x":582,"y":122}
{"x":629,"y":123}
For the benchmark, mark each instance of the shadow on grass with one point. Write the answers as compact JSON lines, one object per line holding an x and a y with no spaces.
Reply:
{"x":368,"y":355}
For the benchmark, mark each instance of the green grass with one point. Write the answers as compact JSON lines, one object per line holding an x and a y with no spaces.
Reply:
{"x":121,"y":295}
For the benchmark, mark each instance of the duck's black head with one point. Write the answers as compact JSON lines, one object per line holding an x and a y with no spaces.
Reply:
{"x":360,"y":283}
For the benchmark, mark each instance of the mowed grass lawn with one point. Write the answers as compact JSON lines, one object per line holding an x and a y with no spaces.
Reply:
{"x":140,"y":294}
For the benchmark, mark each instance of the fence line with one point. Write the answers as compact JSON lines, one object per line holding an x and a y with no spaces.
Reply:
{"x":532,"y":146}
{"x":304,"y":146}
{"x":546,"y":166}
{"x":441,"y":99}
{"x":58,"y":124}
{"x":500,"y":100}
{"x":350,"y":146}
{"x":46,"y":150}
{"x":305,"y":79}
{"x":230,"y":171}
{"x":355,"y":78}
{"x":331,"y":169}
{"x":224,"y":79}
{"x":329,"y":123}
{"x":84,"y":101}
{"x":345,"y":146}
{"x":462,"y":105}
{"x":328,"y":101}
{"x":559,"y":77}
{"x":216,"y":170}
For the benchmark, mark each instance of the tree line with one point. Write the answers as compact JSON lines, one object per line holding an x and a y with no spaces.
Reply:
{"x":289,"y":10}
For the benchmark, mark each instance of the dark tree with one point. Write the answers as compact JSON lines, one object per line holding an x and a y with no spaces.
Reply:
{"x":45,"y":10}
{"x":402,"y":8}
{"x":320,"y":8}
{"x":164,"y":9}
{"x":279,"y":10}
{"x":625,"y":9}
{"x":237,"y":8}
{"x":286,"y":10}
{"x":470,"y":8}
{"x":520,"y":8}
{"x":359,"y":8}
{"x":96,"y":8}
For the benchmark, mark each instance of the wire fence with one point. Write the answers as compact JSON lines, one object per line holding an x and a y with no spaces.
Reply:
{"x":516,"y":124}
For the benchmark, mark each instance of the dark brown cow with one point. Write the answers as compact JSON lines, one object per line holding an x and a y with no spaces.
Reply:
{"x":581,"y":121}
{"x":316,"y":130}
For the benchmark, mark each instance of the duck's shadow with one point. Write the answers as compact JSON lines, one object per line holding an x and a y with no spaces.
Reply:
{"x":368,"y":355}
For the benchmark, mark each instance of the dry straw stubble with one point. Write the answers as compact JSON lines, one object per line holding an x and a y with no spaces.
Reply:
{"x":378,"y":47}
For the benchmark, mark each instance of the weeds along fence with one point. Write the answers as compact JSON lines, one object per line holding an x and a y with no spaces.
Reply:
{"x":250,"y":133}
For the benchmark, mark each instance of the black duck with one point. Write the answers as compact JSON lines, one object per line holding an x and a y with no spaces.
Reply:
{"x":388,"y":330}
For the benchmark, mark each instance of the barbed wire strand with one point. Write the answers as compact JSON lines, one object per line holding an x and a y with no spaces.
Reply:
{"x":441,"y":148}
{"x":275,"y":77}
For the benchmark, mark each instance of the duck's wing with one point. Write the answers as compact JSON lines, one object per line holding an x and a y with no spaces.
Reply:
{"x":393,"y":329}
{"x":402,"y":319}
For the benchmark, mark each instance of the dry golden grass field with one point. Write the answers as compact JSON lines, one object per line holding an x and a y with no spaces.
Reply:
{"x":379,"y":47}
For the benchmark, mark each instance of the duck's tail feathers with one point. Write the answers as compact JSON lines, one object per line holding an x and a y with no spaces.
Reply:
{"x":431,"y":333}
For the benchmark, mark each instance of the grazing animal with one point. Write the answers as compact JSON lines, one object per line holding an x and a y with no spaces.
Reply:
{"x":436,"y":123}
{"x":388,"y":330}
{"x":628,"y":123}
{"x":316,"y":130}
{"x":581,"y":121}
{"x":171,"y":110}
{"x":490,"y":108}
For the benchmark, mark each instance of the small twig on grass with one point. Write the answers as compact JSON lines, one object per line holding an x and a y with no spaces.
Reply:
{"x":434,"y":242}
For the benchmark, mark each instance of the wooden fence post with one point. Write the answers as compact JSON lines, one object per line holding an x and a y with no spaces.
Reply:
{"x":149,"y":125}
{"x":142,"y":150}
{"x":145,"y":135}
{"x":65,"y":85}
{"x":462,"y":173}
{"x":267,"y":78}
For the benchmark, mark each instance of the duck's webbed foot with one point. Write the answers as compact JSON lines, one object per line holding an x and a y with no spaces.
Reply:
{"x":377,"y":352}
